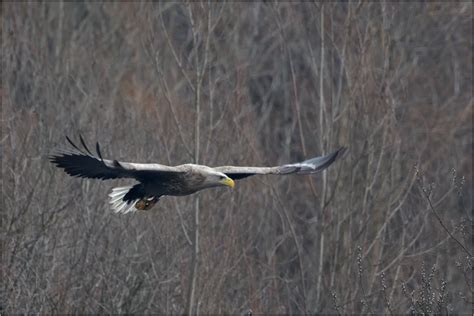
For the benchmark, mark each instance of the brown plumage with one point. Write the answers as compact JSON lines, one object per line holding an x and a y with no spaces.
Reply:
{"x":156,"y":180}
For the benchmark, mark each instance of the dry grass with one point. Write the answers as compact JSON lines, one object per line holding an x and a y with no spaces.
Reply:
{"x":267,"y":83}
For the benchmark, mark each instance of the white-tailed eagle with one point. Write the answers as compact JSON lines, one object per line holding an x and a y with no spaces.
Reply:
{"x":155,"y":180}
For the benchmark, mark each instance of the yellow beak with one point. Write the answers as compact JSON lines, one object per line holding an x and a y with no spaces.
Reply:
{"x":229,"y":182}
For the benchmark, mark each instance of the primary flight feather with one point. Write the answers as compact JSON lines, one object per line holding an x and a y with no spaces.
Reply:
{"x":155,"y":180}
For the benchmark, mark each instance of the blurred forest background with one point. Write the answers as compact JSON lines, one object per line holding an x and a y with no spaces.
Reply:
{"x":387,"y":229}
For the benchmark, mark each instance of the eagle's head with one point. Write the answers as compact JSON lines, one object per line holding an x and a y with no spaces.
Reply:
{"x":212,"y":178}
{"x":216,"y":179}
{"x":223,"y":179}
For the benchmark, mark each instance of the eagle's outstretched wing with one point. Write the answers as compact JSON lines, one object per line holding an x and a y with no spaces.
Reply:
{"x":309,"y":166}
{"x":83,"y":163}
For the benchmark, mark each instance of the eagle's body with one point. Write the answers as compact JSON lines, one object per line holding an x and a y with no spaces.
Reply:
{"x":187,"y":180}
{"x":155,"y":180}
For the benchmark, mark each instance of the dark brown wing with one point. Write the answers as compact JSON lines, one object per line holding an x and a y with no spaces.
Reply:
{"x":83,"y":163}
{"x":309,"y":166}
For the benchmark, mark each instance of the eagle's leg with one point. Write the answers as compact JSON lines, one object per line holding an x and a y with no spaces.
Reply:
{"x":146,"y":203}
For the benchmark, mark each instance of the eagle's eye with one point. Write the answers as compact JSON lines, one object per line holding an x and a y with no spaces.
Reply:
{"x":221,"y":177}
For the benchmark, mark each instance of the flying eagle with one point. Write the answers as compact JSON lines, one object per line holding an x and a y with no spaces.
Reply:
{"x":155,"y":180}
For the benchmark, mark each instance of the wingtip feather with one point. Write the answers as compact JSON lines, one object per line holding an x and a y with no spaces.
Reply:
{"x":84,"y":145}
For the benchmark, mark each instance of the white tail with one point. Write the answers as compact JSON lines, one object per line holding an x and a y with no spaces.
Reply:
{"x":117,"y":202}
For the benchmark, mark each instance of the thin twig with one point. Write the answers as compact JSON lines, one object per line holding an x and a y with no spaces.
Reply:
{"x":426,"y":194}
{"x":175,"y":55}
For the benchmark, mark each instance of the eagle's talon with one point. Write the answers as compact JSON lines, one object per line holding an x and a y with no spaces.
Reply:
{"x":146,"y":203}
